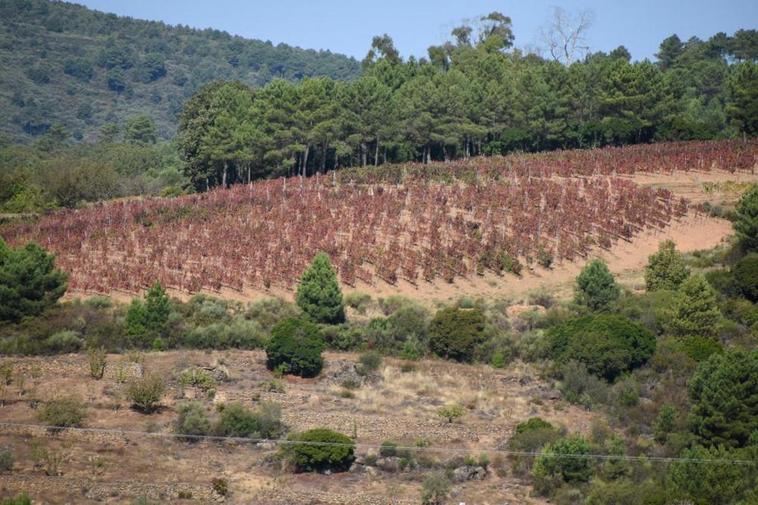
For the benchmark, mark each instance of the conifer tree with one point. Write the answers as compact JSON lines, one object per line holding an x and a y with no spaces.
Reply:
{"x":695,"y":312}
{"x":666,"y":268}
{"x":595,"y":286}
{"x":319,"y":294}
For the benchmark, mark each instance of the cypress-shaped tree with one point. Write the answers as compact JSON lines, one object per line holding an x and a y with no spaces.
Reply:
{"x":666,"y":268}
{"x":319,"y":295}
{"x":695,"y":311}
{"x":595,"y":286}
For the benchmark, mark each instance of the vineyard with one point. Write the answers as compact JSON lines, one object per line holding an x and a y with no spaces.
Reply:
{"x":420,"y":223}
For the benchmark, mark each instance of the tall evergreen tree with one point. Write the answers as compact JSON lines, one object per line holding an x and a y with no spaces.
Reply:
{"x":319,"y":294}
{"x":666,"y":268}
{"x":695,"y":312}
{"x":595,"y":286}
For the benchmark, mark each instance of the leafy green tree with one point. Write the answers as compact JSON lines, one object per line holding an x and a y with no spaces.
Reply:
{"x":666,"y":268}
{"x":561,"y":461}
{"x":695,"y":312}
{"x":320,"y":449}
{"x":607,"y":344}
{"x":29,"y":281}
{"x":295,"y":347}
{"x":140,"y":130}
{"x":319,"y":294}
{"x":724,"y":395}
{"x":742,"y":108}
{"x":595,"y":286}
{"x":746,"y":218}
{"x":455,"y":333}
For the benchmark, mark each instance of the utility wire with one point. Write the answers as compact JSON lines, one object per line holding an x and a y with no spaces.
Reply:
{"x":452,"y":450}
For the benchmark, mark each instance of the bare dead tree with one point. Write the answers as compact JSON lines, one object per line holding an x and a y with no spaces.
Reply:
{"x":565,"y":35}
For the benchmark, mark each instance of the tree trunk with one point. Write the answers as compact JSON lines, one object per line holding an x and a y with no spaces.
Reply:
{"x":376,"y":153}
{"x":323,"y":158}
{"x":305,"y":160}
{"x":223,"y":179}
{"x":363,"y":154}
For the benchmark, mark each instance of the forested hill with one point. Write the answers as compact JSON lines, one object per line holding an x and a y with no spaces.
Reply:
{"x":63,"y":63}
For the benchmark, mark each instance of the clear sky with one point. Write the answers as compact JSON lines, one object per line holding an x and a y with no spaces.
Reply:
{"x":347,"y":26}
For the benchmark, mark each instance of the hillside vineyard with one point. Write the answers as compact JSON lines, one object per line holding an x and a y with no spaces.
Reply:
{"x":448,"y":221}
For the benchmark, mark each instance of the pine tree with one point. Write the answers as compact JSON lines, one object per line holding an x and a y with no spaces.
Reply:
{"x":319,"y":294}
{"x":595,"y":286}
{"x":746,"y":219}
{"x":666,"y":268}
{"x":695,"y":312}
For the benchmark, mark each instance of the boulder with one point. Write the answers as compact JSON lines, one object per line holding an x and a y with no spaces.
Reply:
{"x":469,"y":472}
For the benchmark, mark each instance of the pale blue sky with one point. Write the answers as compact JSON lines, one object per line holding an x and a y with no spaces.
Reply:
{"x":346,"y":26}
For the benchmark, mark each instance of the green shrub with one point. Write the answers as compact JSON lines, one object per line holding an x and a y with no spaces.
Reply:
{"x":561,"y":461}
{"x":596,"y":288}
{"x":544,"y":257}
{"x":197,"y":377}
{"x":358,"y":301}
{"x":146,"y":392}
{"x":701,"y":348}
{"x":237,"y":334}
{"x":29,"y":281}
{"x":666,"y":268}
{"x":63,"y":412}
{"x":146,"y":320}
{"x":319,"y":295}
{"x":6,"y":460}
{"x":722,"y":280}
{"x":296,"y":347}
{"x":97,"y":359}
{"x":192,"y":420}
{"x":723,"y":390}
{"x":21,"y":499}
{"x":530,"y":437}
{"x":533,"y":424}
{"x":388,"y":449}
{"x":65,"y":341}
{"x":238,"y":421}
{"x":450,"y":412}
{"x":270,"y":311}
{"x":664,"y":423}
{"x":435,"y":489}
{"x":607,"y":344}
{"x":369,"y":362}
{"x":580,"y":386}
{"x":746,"y":276}
{"x":455,"y":333}
{"x":719,"y":482}
{"x":746,"y":218}
{"x":407,"y":323}
{"x":320,"y":449}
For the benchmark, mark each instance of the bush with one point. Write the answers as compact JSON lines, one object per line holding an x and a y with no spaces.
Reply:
{"x":701,"y":348}
{"x":746,"y":276}
{"x":435,"y":489}
{"x":22,"y":499}
{"x":450,"y":412}
{"x":295,"y":347}
{"x":145,"y":393}
{"x":197,"y":377}
{"x":238,"y":421}
{"x":406,"y":323}
{"x":149,"y":319}
{"x":719,"y":482}
{"x":695,"y":310}
{"x":723,"y":390}
{"x":560,"y":462}
{"x":606,"y":344}
{"x":238,"y":334}
{"x":98,"y":359}
{"x":358,"y":301}
{"x":320,"y":449}
{"x":369,"y":362}
{"x":388,"y":449}
{"x":533,"y":424}
{"x":65,"y":341}
{"x":6,"y":460}
{"x":666,"y":268}
{"x":192,"y":420}
{"x":664,"y":423}
{"x":746,"y":219}
{"x":270,"y":311}
{"x":580,"y":386}
{"x":319,"y":295}
{"x":29,"y":281}
{"x":596,"y":288}
{"x":455,"y":333}
{"x":530,"y":437}
{"x":63,"y":412}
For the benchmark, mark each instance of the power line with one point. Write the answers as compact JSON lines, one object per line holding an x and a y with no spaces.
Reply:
{"x":453,"y":450}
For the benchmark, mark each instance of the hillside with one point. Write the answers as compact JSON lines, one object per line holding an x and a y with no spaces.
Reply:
{"x":63,"y":63}
{"x":474,"y":224}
